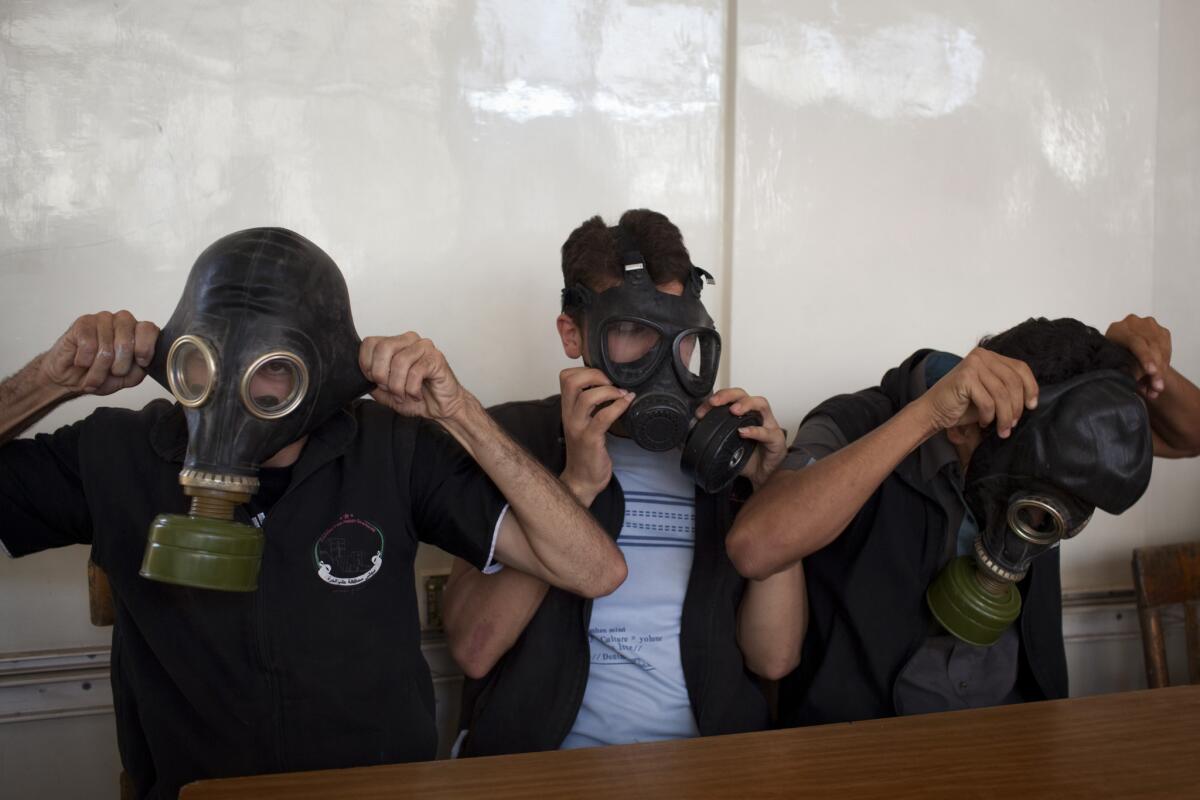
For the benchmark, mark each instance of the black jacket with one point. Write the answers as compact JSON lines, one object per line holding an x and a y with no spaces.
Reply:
{"x":528,"y":702}
{"x":299,"y":674}
{"x":866,"y":589}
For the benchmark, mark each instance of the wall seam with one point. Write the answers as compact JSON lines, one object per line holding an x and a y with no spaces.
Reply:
{"x":728,"y":178}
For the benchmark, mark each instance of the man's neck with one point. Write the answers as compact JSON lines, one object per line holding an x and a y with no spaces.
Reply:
{"x":287,"y":456}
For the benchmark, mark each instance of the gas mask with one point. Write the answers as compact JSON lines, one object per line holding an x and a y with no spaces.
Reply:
{"x":1086,"y":446}
{"x":260,"y":350}
{"x":666,"y":349}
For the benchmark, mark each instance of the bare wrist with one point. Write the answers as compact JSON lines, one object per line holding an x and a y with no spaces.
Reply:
{"x":45,"y":388}
{"x":469,"y":422}
{"x":921,"y":417}
{"x":583,"y":491}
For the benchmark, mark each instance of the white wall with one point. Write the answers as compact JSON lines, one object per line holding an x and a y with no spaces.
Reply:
{"x":918,"y":174}
{"x":863,"y":178}
{"x":1173,"y":502}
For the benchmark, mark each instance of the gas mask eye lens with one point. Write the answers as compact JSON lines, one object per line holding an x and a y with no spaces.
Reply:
{"x":696,"y":356}
{"x":632,"y":350}
{"x":1037,"y":520}
{"x":689,"y":354}
{"x":274,"y":385}
{"x":191,"y":370}
{"x":630,"y":342}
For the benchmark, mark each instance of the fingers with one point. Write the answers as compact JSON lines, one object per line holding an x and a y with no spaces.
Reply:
{"x":1150,"y":358}
{"x":1150,"y":344}
{"x":408,"y":369}
{"x":983,"y":403}
{"x":1029,"y":382}
{"x":589,"y":399}
{"x":1017,"y":378}
{"x":573,"y":381}
{"x":747,"y":404}
{"x":1144,"y":352}
{"x":759,"y":433}
{"x":721,"y":398}
{"x":999,"y":390}
{"x":1000,"y":403}
{"x":83,"y":334}
{"x":726,"y":396}
{"x":603,"y":419}
{"x":145,"y":336}
{"x":104,"y":353}
{"x":376,"y":353}
{"x":124,"y":326}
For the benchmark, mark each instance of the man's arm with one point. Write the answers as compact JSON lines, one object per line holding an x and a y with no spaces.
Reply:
{"x":547,"y":533}
{"x":41,"y":493}
{"x":798,"y":512}
{"x":773,"y":614}
{"x":1173,"y":400}
{"x":99,"y":354}
{"x":486,"y":614}
{"x":27,"y":397}
{"x":772,"y":621}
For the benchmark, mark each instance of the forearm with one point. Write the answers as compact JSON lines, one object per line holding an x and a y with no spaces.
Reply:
{"x":1175,"y":416}
{"x":25,"y":398}
{"x":797,"y":512}
{"x":548,"y":533}
{"x":772,"y":620}
{"x":486,"y":614}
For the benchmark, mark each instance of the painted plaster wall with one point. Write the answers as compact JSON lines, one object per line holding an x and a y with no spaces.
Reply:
{"x":920,"y":174}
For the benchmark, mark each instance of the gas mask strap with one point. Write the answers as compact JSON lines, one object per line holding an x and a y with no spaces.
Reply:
{"x":628,"y":251}
{"x":700,"y":278}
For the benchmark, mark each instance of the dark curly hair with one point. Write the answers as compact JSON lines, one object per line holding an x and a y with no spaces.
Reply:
{"x":589,"y":256}
{"x":1059,"y":349}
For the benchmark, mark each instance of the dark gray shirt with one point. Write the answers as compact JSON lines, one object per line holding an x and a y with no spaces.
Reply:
{"x":945,"y":674}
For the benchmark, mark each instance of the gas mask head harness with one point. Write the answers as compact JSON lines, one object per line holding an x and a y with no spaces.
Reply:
{"x":1086,"y":446}
{"x":665,"y":348}
{"x":260,"y":351}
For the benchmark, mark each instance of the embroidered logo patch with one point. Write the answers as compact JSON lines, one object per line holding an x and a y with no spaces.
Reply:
{"x":349,"y":552}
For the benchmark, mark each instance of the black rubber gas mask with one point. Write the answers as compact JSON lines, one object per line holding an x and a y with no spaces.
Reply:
{"x":260,"y":350}
{"x":666,"y":349}
{"x":1086,"y":446}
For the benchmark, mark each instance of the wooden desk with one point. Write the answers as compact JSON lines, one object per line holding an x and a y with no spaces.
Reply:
{"x":1135,"y":744}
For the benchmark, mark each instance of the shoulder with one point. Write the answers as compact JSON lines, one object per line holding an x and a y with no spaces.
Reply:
{"x":521,"y":414}
{"x":370,"y":414}
{"x":536,"y":425}
{"x":160,"y":421}
{"x":852,"y":415}
{"x":148,"y":415}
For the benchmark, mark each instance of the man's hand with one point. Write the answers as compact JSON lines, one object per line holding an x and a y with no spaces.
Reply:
{"x":985,"y":387}
{"x":101,"y":353}
{"x":584,"y":390}
{"x":411,"y":376}
{"x":1150,"y":344}
{"x":771,"y":438}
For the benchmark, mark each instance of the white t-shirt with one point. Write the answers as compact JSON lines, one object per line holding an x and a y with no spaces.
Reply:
{"x":636,"y":690}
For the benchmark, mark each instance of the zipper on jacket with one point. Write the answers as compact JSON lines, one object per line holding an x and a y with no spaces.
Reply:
{"x":268,"y":671}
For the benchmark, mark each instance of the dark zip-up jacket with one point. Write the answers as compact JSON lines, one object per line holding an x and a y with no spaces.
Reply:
{"x":529,"y":700}
{"x":299,"y":674}
{"x":866,"y":589}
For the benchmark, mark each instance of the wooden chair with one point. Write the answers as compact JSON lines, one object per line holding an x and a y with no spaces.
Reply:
{"x":1163,"y":576}
{"x":100,"y":606}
